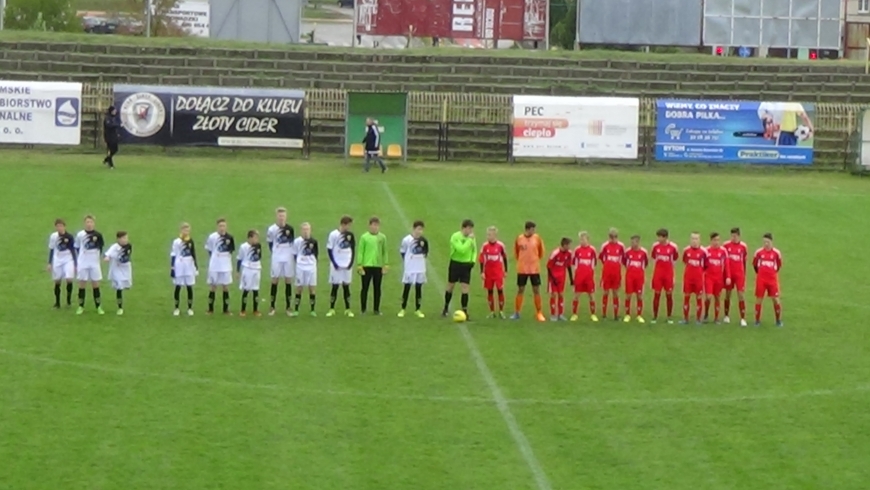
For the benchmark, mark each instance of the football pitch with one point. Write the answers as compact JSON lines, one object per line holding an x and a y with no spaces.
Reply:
{"x":149,"y":401}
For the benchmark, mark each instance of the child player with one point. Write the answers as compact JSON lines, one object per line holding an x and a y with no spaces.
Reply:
{"x":341,"y":248}
{"x":414,"y":249}
{"x":305,"y":254}
{"x":695,"y":260}
{"x":183,"y":268}
{"x":636,"y":262}
{"x":220,"y":246}
{"x":280,"y":237}
{"x":585,"y":258}
{"x":716,"y":277}
{"x":528,"y":252}
{"x":120,"y":268}
{"x":248,"y":266}
{"x":737,"y":253}
{"x":611,"y":255}
{"x":61,"y":261}
{"x":89,"y":248}
{"x":558,"y":273}
{"x":493,"y":268}
{"x":767,"y":263}
{"x":665,"y":254}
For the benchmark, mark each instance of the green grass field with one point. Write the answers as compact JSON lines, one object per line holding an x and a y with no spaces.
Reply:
{"x":148,"y":401}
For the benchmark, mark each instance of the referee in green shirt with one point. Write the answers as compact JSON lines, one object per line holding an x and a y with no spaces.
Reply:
{"x":373,"y":263}
{"x":463,"y":255}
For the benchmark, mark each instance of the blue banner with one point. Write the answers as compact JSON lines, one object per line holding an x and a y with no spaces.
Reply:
{"x":779,"y":133}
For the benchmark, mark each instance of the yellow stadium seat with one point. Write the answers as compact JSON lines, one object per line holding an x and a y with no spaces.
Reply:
{"x":357,"y":150}
{"x":394,"y":151}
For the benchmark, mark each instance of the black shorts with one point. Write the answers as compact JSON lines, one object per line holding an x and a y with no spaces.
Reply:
{"x":459,"y":272}
{"x":523,"y":279}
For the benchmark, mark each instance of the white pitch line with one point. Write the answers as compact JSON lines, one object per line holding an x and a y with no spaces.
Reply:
{"x":501,"y":402}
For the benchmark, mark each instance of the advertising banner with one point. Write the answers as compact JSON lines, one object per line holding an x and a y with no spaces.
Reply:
{"x":516,"y":20}
{"x":388,"y":110}
{"x":192,"y":16}
{"x":734,"y":131}
{"x":211,"y":116}
{"x":40,"y":113}
{"x":575,"y":127}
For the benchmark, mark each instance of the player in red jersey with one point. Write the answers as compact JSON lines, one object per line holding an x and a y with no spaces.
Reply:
{"x":493,"y":267}
{"x":611,"y":256}
{"x":737,"y":253}
{"x":695,"y":260}
{"x":716,"y":277}
{"x":664,"y":253}
{"x":636,"y":261}
{"x":767,"y":264}
{"x":558,"y":273}
{"x":584,"y":261}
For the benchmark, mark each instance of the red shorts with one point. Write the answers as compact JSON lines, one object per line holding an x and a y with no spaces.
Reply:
{"x":634,"y":283}
{"x":738,"y":283}
{"x":663,"y":282}
{"x":493,"y":283}
{"x":766,"y":287}
{"x":714,"y":286}
{"x":584,"y":284}
{"x":693,"y":285}
{"x":556,"y":285}
{"x":611,"y":280}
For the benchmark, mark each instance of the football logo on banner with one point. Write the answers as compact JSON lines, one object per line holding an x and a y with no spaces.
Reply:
{"x":143,"y":114}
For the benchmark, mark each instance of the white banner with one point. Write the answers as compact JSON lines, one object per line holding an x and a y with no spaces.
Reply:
{"x":575,"y":127}
{"x":192,"y":16}
{"x":40,"y":113}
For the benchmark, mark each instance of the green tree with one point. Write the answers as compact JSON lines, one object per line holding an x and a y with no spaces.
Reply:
{"x":160,"y":22}
{"x":41,"y":15}
{"x":564,"y":30}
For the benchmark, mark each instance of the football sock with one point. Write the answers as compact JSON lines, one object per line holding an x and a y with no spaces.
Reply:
{"x":57,"y":295}
{"x":539,"y":307}
{"x":591,"y":306}
{"x":604,"y":301}
{"x":211,"y":295}
{"x":69,"y":288}
{"x":758,"y":312}
{"x":716,"y":309}
{"x":406,"y":291}
{"x":707,"y":308}
{"x":244,"y":300}
{"x":98,"y":300}
{"x":255,"y":300}
{"x":464,"y":302}
{"x":490,"y":300}
{"x":81,"y":297}
{"x":777,"y":310}
{"x":657,"y":297}
{"x":312,"y":300}
{"x":288,"y":293}
{"x":518,"y":303}
{"x":686,"y":299}
{"x":346,"y":288}
{"x":418,"y":296}
{"x":670,"y":304}
{"x":297,"y":301}
{"x":333,"y":296}
{"x":447,"y":297}
{"x":628,"y":305}
{"x":273,"y":295}
{"x":552,"y":306}
{"x":727,"y":306}
{"x":119,"y":295}
{"x":501,"y":300}
{"x":742,"y":309}
{"x":575,"y":305}
{"x":639,"y":306}
{"x":176,"y":295}
{"x":698,"y":305}
{"x":615,"y":306}
{"x":189,"y":297}
{"x":561,"y":305}
{"x":226,"y":298}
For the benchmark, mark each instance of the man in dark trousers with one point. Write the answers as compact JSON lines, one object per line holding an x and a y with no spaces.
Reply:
{"x":111,"y":125}
{"x":373,"y":145}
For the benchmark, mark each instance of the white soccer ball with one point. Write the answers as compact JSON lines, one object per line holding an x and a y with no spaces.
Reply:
{"x":803,"y":133}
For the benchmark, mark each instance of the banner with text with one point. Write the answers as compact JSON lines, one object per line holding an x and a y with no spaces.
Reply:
{"x":40,"y":113}
{"x":211,"y":116}
{"x":575,"y":127}
{"x":734,"y":131}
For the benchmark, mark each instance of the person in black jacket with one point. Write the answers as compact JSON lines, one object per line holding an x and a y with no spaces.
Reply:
{"x":372,"y":142}
{"x":111,"y":125}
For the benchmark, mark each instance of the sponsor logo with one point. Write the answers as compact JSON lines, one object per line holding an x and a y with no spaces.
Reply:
{"x":66,"y":112}
{"x":143,"y":114}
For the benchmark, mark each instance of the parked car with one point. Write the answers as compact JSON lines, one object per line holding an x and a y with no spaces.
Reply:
{"x":345,"y":3}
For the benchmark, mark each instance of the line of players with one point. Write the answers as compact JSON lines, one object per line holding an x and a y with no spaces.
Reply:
{"x":708,"y":270}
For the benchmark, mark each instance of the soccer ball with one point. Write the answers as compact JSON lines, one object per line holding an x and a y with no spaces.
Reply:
{"x":459,"y":316}
{"x":803,"y":133}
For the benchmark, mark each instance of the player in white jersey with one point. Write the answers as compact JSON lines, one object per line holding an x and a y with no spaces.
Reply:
{"x":183,"y":268}
{"x":62,"y":261}
{"x":341,"y":247}
{"x":248,"y":266}
{"x":220,"y":246}
{"x":305,"y":253}
{"x":414,"y":250}
{"x":120,"y":268}
{"x":89,"y":249}
{"x":280,"y":237}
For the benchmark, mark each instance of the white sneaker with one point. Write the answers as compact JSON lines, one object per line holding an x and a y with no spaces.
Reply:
{"x":190,"y":312}
{"x":176,"y":312}
{"x":726,"y":320}
{"x":742,"y":323}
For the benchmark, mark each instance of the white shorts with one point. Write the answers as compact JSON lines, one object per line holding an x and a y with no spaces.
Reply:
{"x":340,"y":276}
{"x":306,"y":278}
{"x":219,"y":278}
{"x":122,"y":284}
{"x":184,"y":280}
{"x":90,"y":274}
{"x":66,"y":271}
{"x":283,"y":270}
{"x":249,"y":280}
{"x":414,"y":278}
